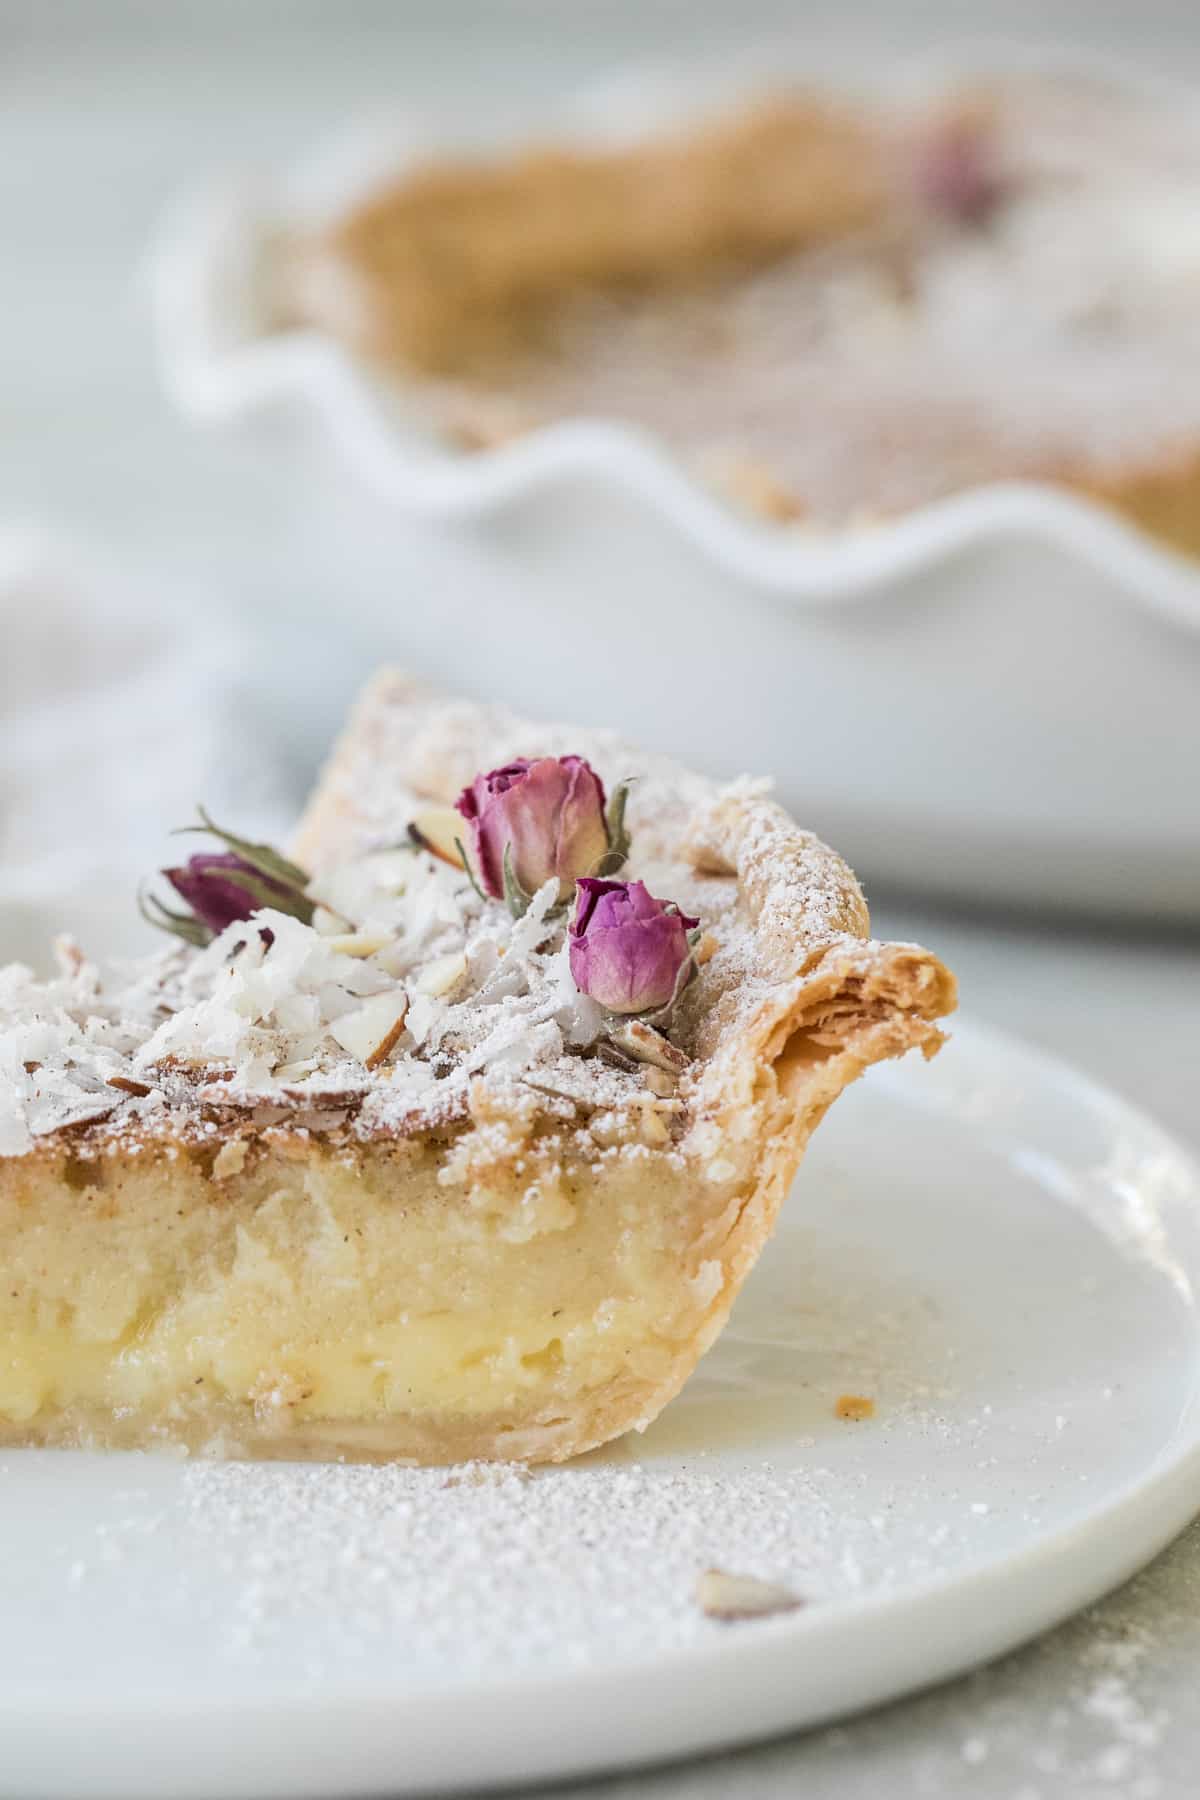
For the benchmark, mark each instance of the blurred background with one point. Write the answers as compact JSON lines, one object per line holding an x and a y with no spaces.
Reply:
{"x":186,"y":610}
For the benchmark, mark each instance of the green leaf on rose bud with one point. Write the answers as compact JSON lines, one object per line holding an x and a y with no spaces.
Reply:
{"x":662,"y":1016}
{"x":261,"y":856}
{"x":271,"y":866}
{"x":515,"y":897}
{"x":470,"y":873}
{"x":181,"y":925}
{"x":299,"y":906}
{"x":614,"y":824}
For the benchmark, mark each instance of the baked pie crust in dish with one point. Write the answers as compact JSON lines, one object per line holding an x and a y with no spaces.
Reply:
{"x":388,"y":1179}
{"x":834,"y":308}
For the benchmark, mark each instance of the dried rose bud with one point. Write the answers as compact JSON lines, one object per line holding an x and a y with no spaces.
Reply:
{"x":221,"y":887}
{"x":206,"y":882}
{"x":628,"y":951}
{"x":956,"y":170}
{"x":533,"y":822}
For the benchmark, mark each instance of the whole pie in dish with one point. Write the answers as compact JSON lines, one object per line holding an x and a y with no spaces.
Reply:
{"x":454,"y":1138}
{"x":835,"y":308}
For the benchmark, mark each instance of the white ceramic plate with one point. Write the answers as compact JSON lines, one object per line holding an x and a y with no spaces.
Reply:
{"x":996,"y":692}
{"x":1000,"y":1254}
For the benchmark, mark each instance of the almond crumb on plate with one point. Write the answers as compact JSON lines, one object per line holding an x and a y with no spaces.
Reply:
{"x":855,"y":1407}
{"x":725,"y":1596}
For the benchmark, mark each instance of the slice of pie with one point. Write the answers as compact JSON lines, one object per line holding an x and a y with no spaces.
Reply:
{"x":452,"y":1150}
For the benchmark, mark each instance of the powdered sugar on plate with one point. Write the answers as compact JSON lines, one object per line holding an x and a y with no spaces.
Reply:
{"x":485,"y":1568}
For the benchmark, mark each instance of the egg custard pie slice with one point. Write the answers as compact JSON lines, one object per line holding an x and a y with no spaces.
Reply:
{"x":454,"y":1138}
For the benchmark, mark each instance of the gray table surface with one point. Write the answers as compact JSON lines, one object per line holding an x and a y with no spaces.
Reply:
{"x":104,"y":112}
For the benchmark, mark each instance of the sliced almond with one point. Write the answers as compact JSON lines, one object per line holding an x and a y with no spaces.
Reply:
{"x":360,"y":943}
{"x":704,"y":949}
{"x":437,"y":830}
{"x":296,"y":1071}
{"x":644,"y":1044}
{"x":725,"y":1596}
{"x":442,"y":974}
{"x":128,"y":1086}
{"x":371,"y":1031}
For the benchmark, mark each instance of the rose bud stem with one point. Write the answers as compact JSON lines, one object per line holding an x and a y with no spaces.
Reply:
{"x":617,"y":854}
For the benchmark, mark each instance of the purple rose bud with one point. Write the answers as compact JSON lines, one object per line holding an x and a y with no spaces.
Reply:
{"x":547,"y":815}
{"x":627,"y":949}
{"x":956,"y":171}
{"x":204,"y":882}
{"x":221,"y":887}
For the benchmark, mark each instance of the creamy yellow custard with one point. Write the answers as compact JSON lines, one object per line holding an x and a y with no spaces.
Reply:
{"x":344,"y":1290}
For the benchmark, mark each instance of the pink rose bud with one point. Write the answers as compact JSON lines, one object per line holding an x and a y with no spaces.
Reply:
{"x":205,"y":883}
{"x":627,"y":949}
{"x":545,"y":817}
{"x":956,"y":170}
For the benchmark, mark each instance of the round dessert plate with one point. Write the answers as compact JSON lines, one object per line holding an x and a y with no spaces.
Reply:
{"x":997,"y":1256}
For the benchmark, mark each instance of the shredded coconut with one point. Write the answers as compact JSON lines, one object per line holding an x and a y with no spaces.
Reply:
{"x":263,"y":1015}
{"x":409,"y":989}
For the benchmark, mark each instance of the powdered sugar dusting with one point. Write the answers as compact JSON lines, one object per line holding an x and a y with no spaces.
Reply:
{"x":252,"y":1023}
{"x":491,"y":1566}
{"x":490,"y":1569}
{"x":410,"y":988}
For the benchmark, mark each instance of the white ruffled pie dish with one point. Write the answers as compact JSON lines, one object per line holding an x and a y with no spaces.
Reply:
{"x":994,"y":695}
